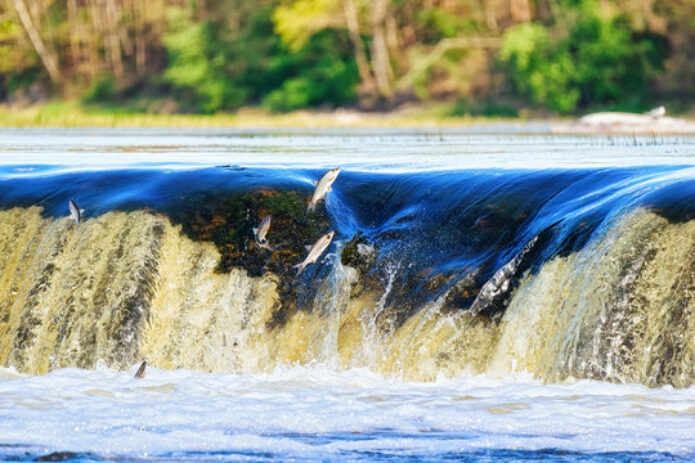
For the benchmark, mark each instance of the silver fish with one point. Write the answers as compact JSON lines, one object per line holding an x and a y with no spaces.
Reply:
{"x":323,"y":187}
{"x":141,"y":371}
{"x":261,"y":232}
{"x":75,"y":211}
{"x":315,"y":251}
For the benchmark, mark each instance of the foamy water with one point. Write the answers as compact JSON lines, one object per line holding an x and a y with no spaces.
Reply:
{"x":319,"y":413}
{"x":609,"y":295}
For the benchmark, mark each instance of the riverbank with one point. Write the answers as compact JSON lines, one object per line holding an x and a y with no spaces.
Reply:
{"x":75,"y":114}
{"x":432,"y":116}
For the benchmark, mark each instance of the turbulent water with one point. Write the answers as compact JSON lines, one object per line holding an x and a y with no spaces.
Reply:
{"x":489,"y":294}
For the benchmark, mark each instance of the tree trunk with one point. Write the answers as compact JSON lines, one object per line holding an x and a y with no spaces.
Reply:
{"x":35,"y":9}
{"x":380,"y":54}
{"x":491,"y":15}
{"x":353,"y":26}
{"x":47,"y":56}
{"x":461,"y":43}
{"x":393,"y":42}
{"x":99,"y":30}
{"x":520,"y":10}
{"x":140,"y":39}
{"x":113,"y":38}
{"x":74,"y":32}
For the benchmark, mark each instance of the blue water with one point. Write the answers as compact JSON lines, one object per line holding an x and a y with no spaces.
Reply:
{"x":446,"y":202}
{"x":437,"y":222}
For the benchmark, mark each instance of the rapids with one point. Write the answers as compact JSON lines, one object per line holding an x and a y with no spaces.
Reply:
{"x":525,"y":271}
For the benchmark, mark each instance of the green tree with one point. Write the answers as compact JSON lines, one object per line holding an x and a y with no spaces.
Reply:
{"x":197,"y":65}
{"x":322,"y":71}
{"x":538,"y":68}
{"x":601,"y":61}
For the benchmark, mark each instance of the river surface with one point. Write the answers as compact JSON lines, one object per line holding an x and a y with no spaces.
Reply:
{"x":491,"y":294}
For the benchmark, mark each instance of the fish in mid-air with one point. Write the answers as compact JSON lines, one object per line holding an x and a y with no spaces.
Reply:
{"x":261,"y":232}
{"x":323,"y":186}
{"x":75,"y":211}
{"x":315,"y":251}
{"x":141,"y":371}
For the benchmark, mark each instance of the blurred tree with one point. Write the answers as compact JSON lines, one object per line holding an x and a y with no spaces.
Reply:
{"x":353,"y":25}
{"x":31,"y":20}
{"x":321,"y":72}
{"x":296,"y":21}
{"x":539,"y":68}
{"x":197,"y":65}
{"x":214,"y":55}
{"x":599,"y":61}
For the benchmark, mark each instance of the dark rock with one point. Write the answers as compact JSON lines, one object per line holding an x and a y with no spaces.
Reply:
{"x":227,"y":220}
{"x":58,"y":456}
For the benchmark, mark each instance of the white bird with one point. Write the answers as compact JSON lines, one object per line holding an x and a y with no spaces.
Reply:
{"x":657,"y":112}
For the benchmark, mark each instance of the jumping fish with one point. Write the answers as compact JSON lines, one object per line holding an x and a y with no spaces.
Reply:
{"x":141,"y":371}
{"x":75,"y":211}
{"x":315,"y":251}
{"x":323,"y":187}
{"x":261,"y":232}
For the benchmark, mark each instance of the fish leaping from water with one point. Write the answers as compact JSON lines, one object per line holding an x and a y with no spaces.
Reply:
{"x":315,"y":251}
{"x":261,"y":232}
{"x":141,"y":371}
{"x":75,"y":211}
{"x":323,"y":187}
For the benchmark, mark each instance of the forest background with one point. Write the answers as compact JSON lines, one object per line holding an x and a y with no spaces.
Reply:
{"x":474,"y":57}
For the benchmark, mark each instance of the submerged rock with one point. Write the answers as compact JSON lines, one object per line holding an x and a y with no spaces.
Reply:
{"x":360,"y":253}
{"x":227,"y":220}
{"x":60,"y":456}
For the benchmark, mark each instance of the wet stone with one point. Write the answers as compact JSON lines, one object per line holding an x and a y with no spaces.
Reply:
{"x":228,"y":220}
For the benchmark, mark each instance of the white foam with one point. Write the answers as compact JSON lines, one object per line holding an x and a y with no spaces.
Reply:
{"x":308,"y":411}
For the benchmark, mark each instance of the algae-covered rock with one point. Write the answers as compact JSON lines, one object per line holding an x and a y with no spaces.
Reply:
{"x":228,"y":219}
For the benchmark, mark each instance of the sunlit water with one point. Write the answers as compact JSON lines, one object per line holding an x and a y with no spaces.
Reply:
{"x":322,"y":411}
{"x":316,"y":413}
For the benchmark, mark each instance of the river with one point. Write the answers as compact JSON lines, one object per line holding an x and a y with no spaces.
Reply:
{"x":492,"y":293}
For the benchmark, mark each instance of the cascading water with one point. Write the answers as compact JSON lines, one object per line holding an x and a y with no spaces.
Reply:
{"x":565,"y":274}
{"x":437,"y":272}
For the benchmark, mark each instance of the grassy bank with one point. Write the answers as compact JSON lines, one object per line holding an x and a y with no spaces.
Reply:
{"x":75,"y":114}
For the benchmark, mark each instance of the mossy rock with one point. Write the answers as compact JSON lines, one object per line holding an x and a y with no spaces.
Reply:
{"x":228,"y":219}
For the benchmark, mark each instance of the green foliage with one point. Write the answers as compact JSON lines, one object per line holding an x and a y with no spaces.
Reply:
{"x":18,"y":67}
{"x":197,"y":66}
{"x":614,"y":64}
{"x":213,"y":68}
{"x":296,"y":21}
{"x":437,"y":24}
{"x":10,"y":59}
{"x":321,"y":72}
{"x":252,"y":52}
{"x":216,"y":55}
{"x":600,"y":62}
{"x":540,"y":69}
{"x":103,"y":89}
